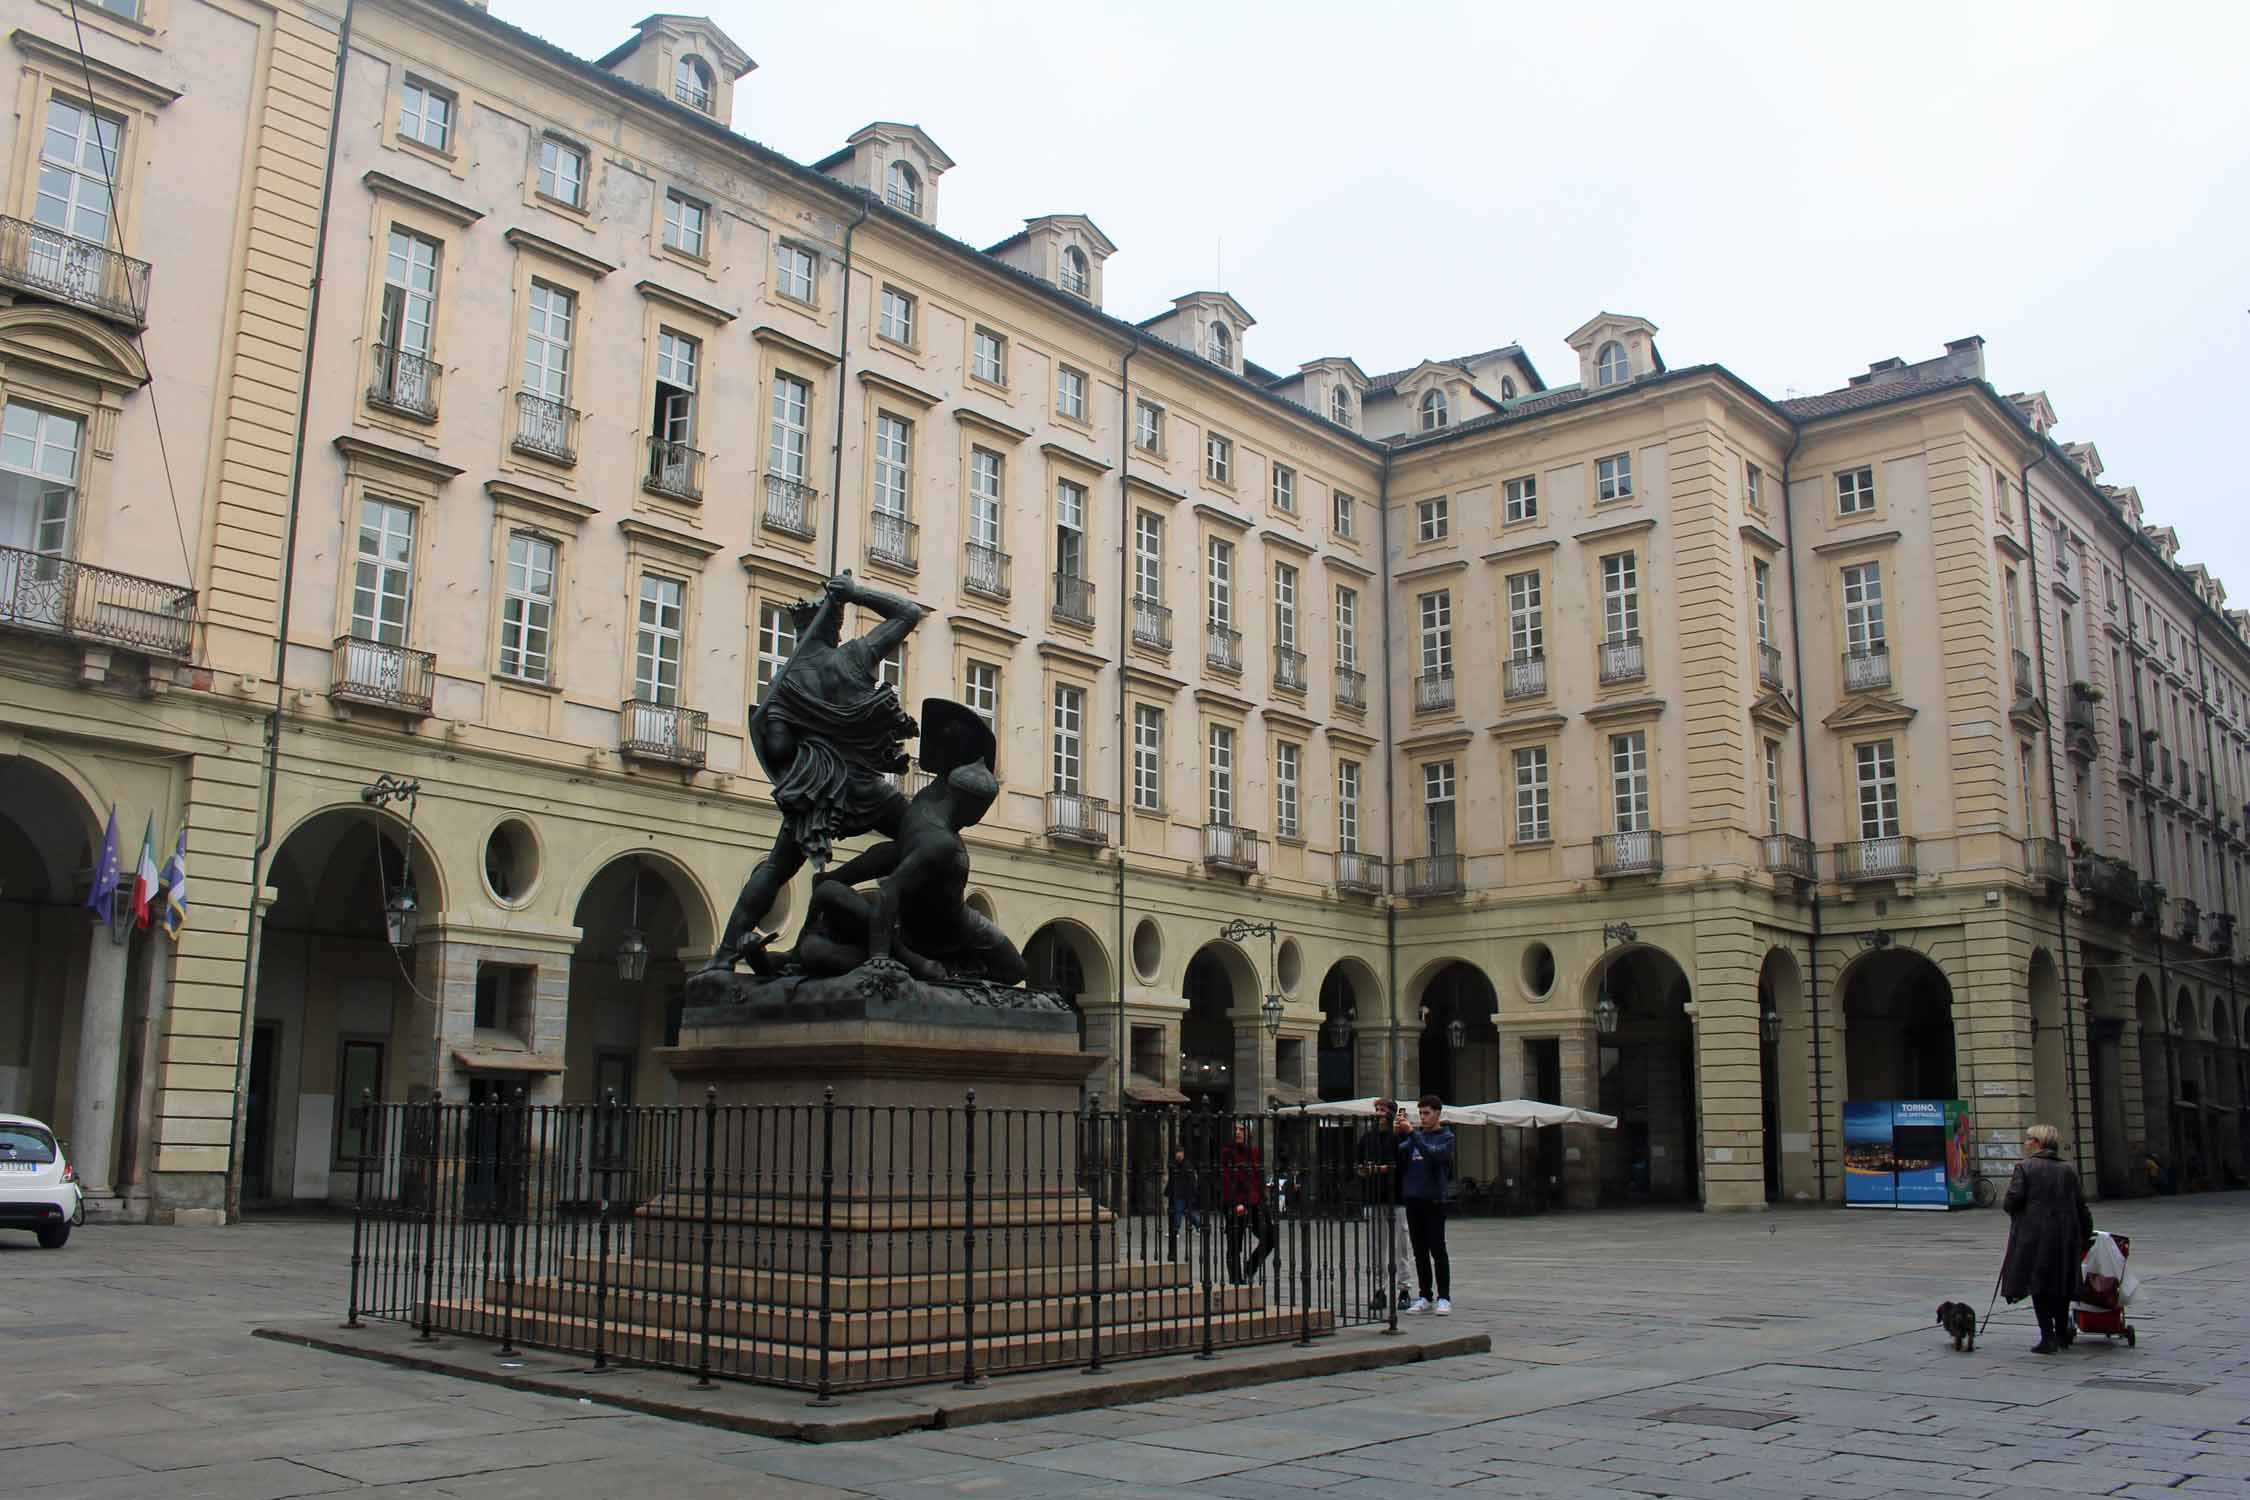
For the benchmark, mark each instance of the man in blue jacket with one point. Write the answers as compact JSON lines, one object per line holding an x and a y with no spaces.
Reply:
{"x":1425,"y":1170}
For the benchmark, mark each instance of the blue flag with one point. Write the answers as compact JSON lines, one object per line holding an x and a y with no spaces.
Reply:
{"x":108,"y":870}
{"x":175,"y":887}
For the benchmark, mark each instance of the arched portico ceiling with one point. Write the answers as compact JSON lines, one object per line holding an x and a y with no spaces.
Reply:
{"x":673,"y":914}
{"x":325,"y":860}
{"x":1082,"y":944}
{"x":47,"y":826}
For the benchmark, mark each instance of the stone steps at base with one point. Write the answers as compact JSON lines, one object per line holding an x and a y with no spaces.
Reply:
{"x":853,"y":1291}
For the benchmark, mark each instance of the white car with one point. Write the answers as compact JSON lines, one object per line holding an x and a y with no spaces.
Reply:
{"x":38,"y":1189}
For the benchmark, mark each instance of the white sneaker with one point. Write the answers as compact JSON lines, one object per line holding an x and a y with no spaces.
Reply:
{"x":1421,"y":1305}
{"x":1444,"y":1306}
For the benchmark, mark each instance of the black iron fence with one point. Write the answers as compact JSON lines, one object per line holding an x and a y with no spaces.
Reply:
{"x":834,"y":1247}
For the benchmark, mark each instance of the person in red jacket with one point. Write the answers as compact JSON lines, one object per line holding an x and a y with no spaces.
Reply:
{"x":1242,"y":1198}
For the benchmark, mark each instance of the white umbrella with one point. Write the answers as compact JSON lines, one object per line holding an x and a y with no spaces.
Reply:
{"x":1532,"y":1113}
{"x":1451,"y":1114}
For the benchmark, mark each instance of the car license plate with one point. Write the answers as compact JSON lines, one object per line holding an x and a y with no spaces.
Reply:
{"x":19,"y":1166}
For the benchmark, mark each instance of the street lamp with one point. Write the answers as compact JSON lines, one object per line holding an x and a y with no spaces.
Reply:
{"x":1270,"y":1008}
{"x":1606,"y":1014}
{"x":402,"y":914}
{"x":1769,"y":1025}
{"x":1338,"y":1032}
{"x":1456,"y":1034}
{"x":632,"y":949}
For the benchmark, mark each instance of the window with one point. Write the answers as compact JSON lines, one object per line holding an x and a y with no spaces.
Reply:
{"x":1436,"y":612}
{"x":902,"y":188}
{"x":1855,"y":492}
{"x":1773,"y":786}
{"x":1218,"y":459}
{"x":2011,"y":594}
{"x":409,"y":314}
{"x":988,"y":358}
{"x":894,"y":463}
{"x":789,"y":436}
{"x":891,"y":670}
{"x":1284,"y":607}
{"x":691,"y":83}
{"x":1076,"y":279}
{"x":1753,"y":487}
{"x":1878,"y":790}
{"x":39,"y":485}
{"x":1527,"y":617}
{"x":1621,"y":597}
{"x":984,"y":498}
{"x":1221,"y":800}
{"x":1285,"y":488}
{"x":1340,"y":405}
{"x":1069,"y":739}
{"x":1347,"y":521}
{"x":382,"y":571}
{"x":777,"y":637}
{"x":1519,"y":500}
{"x":1613,"y":477}
{"x":1533,"y":817}
{"x":425,"y":115}
{"x":1437,"y":807}
{"x":1628,"y":781}
{"x":1070,"y":529}
{"x":794,"y":270}
{"x":359,"y":1075}
{"x":676,"y":358}
{"x":1148,"y":556}
{"x":1610,"y":365}
{"x":1435,"y":413}
{"x":1433,"y":519}
{"x":1219,"y":583}
{"x":1148,"y":427}
{"x":1070,"y":393}
{"x":656,"y":644}
{"x":1148,"y":757}
{"x":1761,"y":600}
{"x":77,"y":160}
{"x":1863,"y":607}
{"x":546,"y":343}
{"x":1507,"y":387}
{"x":1288,"y":761}
{"x":562,"y":172}
{"x":527,"y":609}
{"x":1347,"y":806}
{"x":897,"y":320}
{"x":1220,"y":344}
{"x":980,"y":690}
{"x":1347,"y":629}
{"x":2000,"y":494}
{"x":684,"y":223}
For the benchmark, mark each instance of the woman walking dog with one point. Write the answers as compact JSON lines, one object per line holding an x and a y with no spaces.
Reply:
{"x":2050,"y":1232}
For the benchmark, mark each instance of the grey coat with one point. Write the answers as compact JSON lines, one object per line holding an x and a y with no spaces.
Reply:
{"x":2051,"y":1230}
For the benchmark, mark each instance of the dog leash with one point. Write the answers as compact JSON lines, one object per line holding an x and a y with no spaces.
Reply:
{"x":2008,"y":1250}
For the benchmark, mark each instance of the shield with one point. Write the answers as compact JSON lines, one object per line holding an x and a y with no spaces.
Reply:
{"x":953,"y":735}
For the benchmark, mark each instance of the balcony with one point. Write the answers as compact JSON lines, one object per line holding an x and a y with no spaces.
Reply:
{"x":984,"y":571}
{"x":909,"y":782}
{"x":2081,"y":736}
{"x":893,"y":541}
{"x":2025,"y":688}
{"x":674,"y":470}
{"x":404,"y":383}
{"x":1288,"y":670}
{"x":1431,"y":875}
{"x":1152,"y":624}
{"x":1639,"y":852}
{"x":374,"y":675}
{"x":56,"y":596}
{"x":1867,"y":669}
{"x":1076,"y":819}
{"x":1226,"y":847}
{"x":2107,"y":882}
{"x":1525,"y":676}
{"x":1358,"y":874}
{"x":1623,"y":660}
{"x":663,"y":733}
{"x":2202,"y":790}
{"x":791,"y":507}
{"x":2045,"y":860}
{"x":1769,"y":666}
{"x":1074,"y":600}
{"x":2220,"y":938}
{"x":1433,"y":691}
{"x":49,"y":263}
{"x":545,"y":429}
{"x":1786,"y":854}
{"x":2187,"y":919}
{"x":1222,"y":647}
{"x":1887,"y":858}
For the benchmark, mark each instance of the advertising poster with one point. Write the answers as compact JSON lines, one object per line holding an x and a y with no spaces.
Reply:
{"x":1870,"y":1172}
{"x":1918,"y":1151}
{"x":1960,"y":1155}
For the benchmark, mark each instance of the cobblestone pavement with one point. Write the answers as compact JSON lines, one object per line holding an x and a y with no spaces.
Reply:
{"x":1635,"y":1354}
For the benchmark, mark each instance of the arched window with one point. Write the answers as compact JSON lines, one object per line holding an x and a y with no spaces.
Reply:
{"x":1221,"y":347}
{"x":1507,"y":387}
{"x":902,"y":189}
{"x":1340,"y":405}
{"x":691,"y":83}
{"x":1610,"y":367}
{"x":1434,"y":411}
{"x":1075,"y":279}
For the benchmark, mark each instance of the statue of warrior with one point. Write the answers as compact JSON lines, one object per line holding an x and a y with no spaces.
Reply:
{"x":827,"y":731}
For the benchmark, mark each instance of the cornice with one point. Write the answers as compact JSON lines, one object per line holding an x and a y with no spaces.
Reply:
{"x":1288,"y":541}
{"x":1521,"y":549}
{"x":1758,"y":536}
{"x":1288,"y":720}
{"x":2015,"y":550}
{"x":1612,"y":529}
{"x":538,"y":244}
{"x":1774,"y":711}
{"x":1869,"y":713}
{"x":1008,"y":432}
{"x":74,"y":65}
{"x":1213,"y":698}
{"x":1624,"y":711}
{"x":1347,"y":565}
{"x":1150,"y":678}
{"x":561,"y":510}
{"x":1228,"y":518}
{"x":1527,"y":726}
{"x":914,"y":395}
{"x":360,"y":450}
{"x":789,"y":343}
{"x":991,"y":630}
{"x":384,"y":185}
{"x":1351,"y":737}
{"x":1431,"y":570}
{"x":1859,"y":539}
{"x":1147,"y":485}
{"x":1057,"y":651}
{"x":1436,"y":739}
{"x":1061,"y":454}
{"x":766,"y":565}
{"x":657,"y":291}
{"x":662,"y":538}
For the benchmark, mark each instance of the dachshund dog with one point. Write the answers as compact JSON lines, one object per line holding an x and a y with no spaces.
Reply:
{"x":1960,"y":1320}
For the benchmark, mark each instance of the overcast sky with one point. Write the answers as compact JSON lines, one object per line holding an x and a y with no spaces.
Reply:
{"x":1791,"y":191}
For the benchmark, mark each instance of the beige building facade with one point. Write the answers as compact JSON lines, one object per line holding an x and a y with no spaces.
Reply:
{"x":1637,"y":741}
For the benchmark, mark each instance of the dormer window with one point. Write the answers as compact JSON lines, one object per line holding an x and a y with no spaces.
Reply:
{"x":1507,"y":387}
{"x":1220,"y":347}
{"x":1610,"y":365}
{"x":691,"y":83}
{"x":1076,"y":280}
{"x":902,"y":189}
{"x":1435,"y":412}
{"x":1340,"y":405}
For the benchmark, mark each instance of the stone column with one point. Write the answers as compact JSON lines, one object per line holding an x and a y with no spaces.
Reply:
{"x":1253,"y":1063}
{"x":101,"y":1033}
{"x":1580,"y":1052}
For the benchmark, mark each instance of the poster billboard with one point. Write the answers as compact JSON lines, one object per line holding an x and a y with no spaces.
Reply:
{"x":1960,"y":1155}
{"x":1918,"y":1150}
{"x":1870,"y":1171}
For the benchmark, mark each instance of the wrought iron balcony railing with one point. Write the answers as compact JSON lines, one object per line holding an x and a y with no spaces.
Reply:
{"x":1623,"y":660}
{"x":2187,"y":920}
{"x":791,"y":507}
{"x":1431,"y":875}
{"x":984,"y":570}
{"x":545,"y":429}
{"x":404,"y":383}
{"x":909,"y":781}
{"x":1222,"y":646}
{"x":1769,"y":665}
{"x":1226,"y":847}
{"x":1786,"y":854}
{"x":2045,"y":859}
{"x":1891,"y":857}
{"x":662,"y":732}
{"x":2104,"y":880}
{"x":1358,"y":874}
{"x":35,"y":258}
{"x":1076,"y":819}
{"x":1288,"y":669}
{"x":674,"y":469}
{"x":1638,"y":852}
{"x":2221,"y":935}
{"x":1351,"y":688}
{"x":1074,"y":599}
{"x":1433,"y":691}
{"x":59,"y":596}
{"x":1867,"y":668}
{"x":1152,"y":623}
{"x":1526,"y":676}
{"x":893,"y":541}
{"x":2024,"y":686}
{"x":377,"y":675}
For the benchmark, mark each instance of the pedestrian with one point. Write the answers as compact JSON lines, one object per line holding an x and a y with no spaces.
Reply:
{"x":1181,"y":1198}
{"x":1425,"y":1171}
{"x":1386,"y":1229}
{"x":1242,"y":1197}
{"x":2049,"y":1236}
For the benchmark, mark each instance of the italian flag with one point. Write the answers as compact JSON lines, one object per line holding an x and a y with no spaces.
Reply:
{"x":144,"y":878}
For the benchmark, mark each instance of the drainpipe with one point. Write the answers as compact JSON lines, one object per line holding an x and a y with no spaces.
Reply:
{"x":2148,"y":834}
{"x":2211,"y":773}
{"x":1124,"y":654}
{"x":1805,"y":806}
{"x":843,"y":369}
{"x":1390,"y":782}
{"x":269,"y":786}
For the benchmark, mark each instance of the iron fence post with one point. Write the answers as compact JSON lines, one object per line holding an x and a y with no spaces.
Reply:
{"x":1304,"y":1264}
{"x":429,"y":1224}
{"x":605,"y":1131}
{"x":359,"y":1205}
{"x":1095,"y":1143}
{"x":969,"y":1378}
{"x":1212,"y":1220}
{"x":1391,"y":1289}
{"x":710,"y":1222}
{"x":509,"y":1181}
{"x":826,"y":1395}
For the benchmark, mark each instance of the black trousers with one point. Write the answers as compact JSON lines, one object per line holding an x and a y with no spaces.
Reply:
{"x":1256,"y":1222}
{"x":2054,"y":1317}
{"x":1425,"y":1226}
